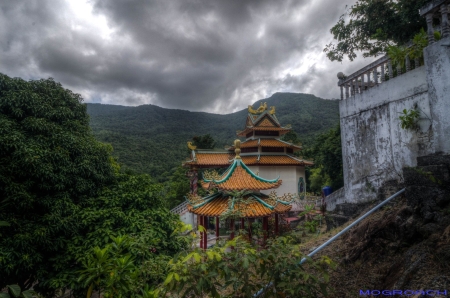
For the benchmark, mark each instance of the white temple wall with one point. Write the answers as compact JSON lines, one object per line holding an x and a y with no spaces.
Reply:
{"x":288,"y":174}
{"x":374,"y":146}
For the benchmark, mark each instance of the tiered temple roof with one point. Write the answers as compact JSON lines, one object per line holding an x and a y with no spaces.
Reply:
{"x":249,"y":203}
{"x":261,"y":147}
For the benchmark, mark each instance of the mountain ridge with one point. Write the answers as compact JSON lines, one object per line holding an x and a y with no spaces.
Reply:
{"x":151,"y":139}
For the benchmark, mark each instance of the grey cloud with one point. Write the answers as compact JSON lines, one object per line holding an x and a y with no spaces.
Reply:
{"x":189,"y":54}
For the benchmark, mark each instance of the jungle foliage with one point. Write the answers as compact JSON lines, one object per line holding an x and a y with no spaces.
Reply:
{"x":327,"y":155}
{"x":62,"y":193}
{"x":245,"y":270}
{"x":371,"y":26}
{"x":149,"y":139}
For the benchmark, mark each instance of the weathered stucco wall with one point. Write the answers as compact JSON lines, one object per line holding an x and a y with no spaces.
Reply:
{"x":437,"y":61}
{"x":374,"y":146}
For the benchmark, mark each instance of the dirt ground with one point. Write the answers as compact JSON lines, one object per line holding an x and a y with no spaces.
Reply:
{"x":389,"y":250}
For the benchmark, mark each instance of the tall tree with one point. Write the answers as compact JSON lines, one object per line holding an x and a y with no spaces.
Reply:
{"x":50,"y":164}
{"x":327,"y":154}
{"x":204,"y":142}
{"x":62,"y":194}
{"x":370,"y":26}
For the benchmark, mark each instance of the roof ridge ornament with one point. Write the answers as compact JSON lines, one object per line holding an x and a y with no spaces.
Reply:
{"x":261,"y":109}
{"x":272,"y":110}
{"x":237,"y":150}
{"x":190,"y":146}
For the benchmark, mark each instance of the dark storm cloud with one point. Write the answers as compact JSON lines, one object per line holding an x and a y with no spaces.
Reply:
{"x":211,"y":55}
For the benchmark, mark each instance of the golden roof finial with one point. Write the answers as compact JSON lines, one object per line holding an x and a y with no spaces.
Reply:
{"x":272,"y":110}
{"x":261,"y":109}
{"x":190,"y":146}
{"x":237,"y":150}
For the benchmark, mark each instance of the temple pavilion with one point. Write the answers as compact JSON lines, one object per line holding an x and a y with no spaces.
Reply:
{"x":241,"y":192}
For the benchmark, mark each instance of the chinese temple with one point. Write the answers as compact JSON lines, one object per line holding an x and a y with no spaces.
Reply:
{"x":241,"y":192}
{"x":263,"y":152}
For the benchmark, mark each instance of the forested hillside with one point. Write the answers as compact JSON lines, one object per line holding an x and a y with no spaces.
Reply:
{"x":150,"y":139}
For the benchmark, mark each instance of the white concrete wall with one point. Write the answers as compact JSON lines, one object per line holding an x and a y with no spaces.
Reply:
{"x":289,"y":175}
{"x":189,"y":218}
{"x":374,"y":146}
{"x":437,"y":61}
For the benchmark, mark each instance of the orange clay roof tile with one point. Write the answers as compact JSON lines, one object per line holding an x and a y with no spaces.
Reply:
{"x":255,"y":209}
{"x":240,"y":179}
{"x":223,"y":160}
{"x":280,"y":160}
{"x":265,"y":143}
{"x":212,"y":159}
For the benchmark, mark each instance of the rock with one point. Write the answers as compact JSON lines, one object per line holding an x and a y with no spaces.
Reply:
{"x":428,"y":229}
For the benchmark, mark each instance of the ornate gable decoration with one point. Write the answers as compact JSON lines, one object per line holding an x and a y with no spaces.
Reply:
{"x":266,"y":122}
{"x":249,"y":122}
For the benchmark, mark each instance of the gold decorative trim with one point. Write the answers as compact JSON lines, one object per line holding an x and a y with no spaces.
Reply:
{"x":261,"y":109}
{"x":237,"y":150}
{"x":211,"y":175}
{"x":190,"y":146}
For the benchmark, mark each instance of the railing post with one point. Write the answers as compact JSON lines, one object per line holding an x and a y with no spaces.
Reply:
{"x":399,"y":69}
{"x":375,"y":76}
{"x":391,"y":71}
{"x":430,"y":31}
{"x":444,"y":21}
{"x":346,"y":90}
{"x":362,"y":83}
{"x":368,"y":79}
{"x":352,"y":88}
{"x":382,"y":78}
{"x":342,"y":92}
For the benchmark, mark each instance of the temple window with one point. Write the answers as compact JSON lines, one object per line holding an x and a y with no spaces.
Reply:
{"x":266,"y":133}
{"x":272,"y":149}
{"x":250,"y":149}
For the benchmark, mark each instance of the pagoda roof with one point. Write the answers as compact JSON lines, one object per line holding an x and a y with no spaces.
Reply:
{"x":239,"y":177}
{"x":275,"y":160}
{"x":205,"y":159}
{"x":266,"y":142}
{"x":225,"y":158}
{"x":262,"y":119}
{"x":252,"y":205}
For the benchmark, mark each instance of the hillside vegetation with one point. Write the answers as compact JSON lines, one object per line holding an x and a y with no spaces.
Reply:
{"x":151,"y":139}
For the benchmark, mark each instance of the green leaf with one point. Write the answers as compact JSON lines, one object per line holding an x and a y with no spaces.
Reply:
{"x":28,"y":294}
{"x":14,"y":290}
{"x":4,"y":295}
{"x":197,"y":257}
{"x":169,"y":278}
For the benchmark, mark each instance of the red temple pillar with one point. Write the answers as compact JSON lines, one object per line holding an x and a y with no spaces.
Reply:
{"x":217,"y":227}
{"x":193,"y":175}
{"x":276,"y":224}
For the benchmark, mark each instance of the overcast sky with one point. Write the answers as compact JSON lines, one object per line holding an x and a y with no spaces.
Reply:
{"x":201,"y":55}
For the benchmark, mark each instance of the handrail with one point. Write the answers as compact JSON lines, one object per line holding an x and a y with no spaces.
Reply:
{"x":180,"y":208}
{"x":373,"y":74}
{"x":363,"y":70}
{"x":339,"y":234}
